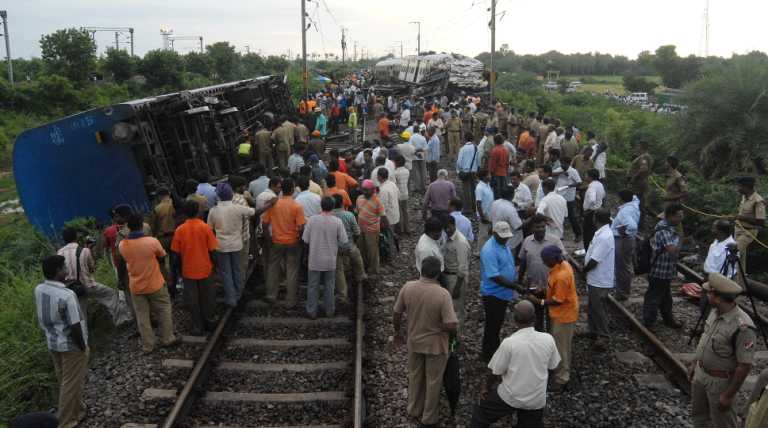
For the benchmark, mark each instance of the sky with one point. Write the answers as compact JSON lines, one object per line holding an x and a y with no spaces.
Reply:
{"x":624,"y":27}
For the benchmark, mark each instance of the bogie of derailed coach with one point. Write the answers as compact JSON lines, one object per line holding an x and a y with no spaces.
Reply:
{"x":83,"y":165}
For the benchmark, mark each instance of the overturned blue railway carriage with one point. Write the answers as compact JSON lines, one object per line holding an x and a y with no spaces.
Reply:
{"x":82,"y":165}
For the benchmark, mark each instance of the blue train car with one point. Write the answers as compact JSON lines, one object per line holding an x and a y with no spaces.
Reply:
{"x":85,"y":164}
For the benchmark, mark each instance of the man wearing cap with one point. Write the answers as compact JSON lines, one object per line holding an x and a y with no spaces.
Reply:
{"x":263,"y":140}
{"x":751,"y":216}
{"x":497,"y":286}
{"x":723,"y":356}
{"x":563,"y":304}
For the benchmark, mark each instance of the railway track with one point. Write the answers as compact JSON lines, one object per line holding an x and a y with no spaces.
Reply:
{"x":674,"y":370}
{"x":271,"y":367}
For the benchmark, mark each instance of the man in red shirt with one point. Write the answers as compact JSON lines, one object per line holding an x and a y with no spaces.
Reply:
{"x":498,"y":165}
{"x":192,"y":249}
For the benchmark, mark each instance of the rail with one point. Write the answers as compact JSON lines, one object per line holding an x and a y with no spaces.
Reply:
{"x":359,"y":410}
{"x":662,"y":356}
{"x":193,"y":387}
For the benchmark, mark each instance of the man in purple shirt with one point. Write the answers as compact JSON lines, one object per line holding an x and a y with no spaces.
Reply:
{"x":324,"y":233}
{"x":439,"y":195}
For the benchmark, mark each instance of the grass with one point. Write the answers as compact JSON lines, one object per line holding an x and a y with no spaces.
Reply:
{"x":7,"y":187}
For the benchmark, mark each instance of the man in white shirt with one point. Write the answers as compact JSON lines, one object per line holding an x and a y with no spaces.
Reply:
{"x":456,"y":253}
{"x":593,"y":201}
{"x":429,"y":243}
{"x":296,"y":160}
{"x":504,"y":210}
{"x":402,"y":174}
{"x":405,"y":117}
{"x":554,"y":207}
{"x":419,"y":170}
{"x":229,"y":222}
{"x":308,"y":200}
{"x":521,"y":368}
{"x":389,"y":196}
{"x":483,"y":204}
{"x":718,"y":250}
{"x":599,"y":270}
{"x":523,"y":198}
{"x":568,"y":180}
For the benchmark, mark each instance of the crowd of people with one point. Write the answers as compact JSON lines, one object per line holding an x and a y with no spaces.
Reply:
{"x":312,"y":213}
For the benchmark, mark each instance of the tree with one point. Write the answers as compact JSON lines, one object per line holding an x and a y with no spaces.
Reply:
{"x":276,"y":64}
{"x":225,"y":61}
{"x":675,"y":71}
{"x":162,"y":68}
{"x":70,"y":53}
{"x":252,"y":65}
{"x":634,"y":83}
{"x":119,"y":64}
{"x":198,"y":63}
{"x":724,"y":131}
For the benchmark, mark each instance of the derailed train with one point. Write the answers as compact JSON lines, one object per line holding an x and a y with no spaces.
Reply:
{"x":82,"y":165}
{"x":429,"y":75}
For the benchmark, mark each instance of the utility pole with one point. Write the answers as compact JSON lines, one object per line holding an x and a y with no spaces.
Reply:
{"x":418,"y":37}
{"x":304,"y":74}
{"x":130,"y":31}
{"x":4,"y":16}
{"x":355,"y":57}
{"x":117,"y":40}
{"x":493,"y":44}
{"x":706,"y":30}
{"x":343,"y":45}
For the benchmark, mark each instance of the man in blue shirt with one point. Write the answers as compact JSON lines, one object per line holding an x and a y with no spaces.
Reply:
{"x":483,"y":202}
{"x":624,"y":229}
{"x":466,"y":166}
{"x":462,"y":223}
{"x":433,"y":153}
{"x":497,"y":286}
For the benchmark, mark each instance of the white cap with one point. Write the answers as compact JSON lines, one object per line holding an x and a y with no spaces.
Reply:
{"x":502,"y":229}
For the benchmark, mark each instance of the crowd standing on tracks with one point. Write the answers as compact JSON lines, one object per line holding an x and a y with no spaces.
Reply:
{"x":318,"y":212}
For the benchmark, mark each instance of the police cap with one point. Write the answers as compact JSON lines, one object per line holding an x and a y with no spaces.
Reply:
{"x":746,"y":181}
{"x":722,"y":285}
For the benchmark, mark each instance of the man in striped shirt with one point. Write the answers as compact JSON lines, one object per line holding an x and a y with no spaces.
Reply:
{"x":60,"y":317}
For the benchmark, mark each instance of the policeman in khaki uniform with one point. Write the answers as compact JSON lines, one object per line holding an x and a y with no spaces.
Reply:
{"x":751,"y":216}
{"x":454,"y":134}
{"x":723,"y":358}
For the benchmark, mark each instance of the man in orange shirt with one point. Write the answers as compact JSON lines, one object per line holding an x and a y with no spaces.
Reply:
{"x":343,"y":180}
{"x":287,"y":220}
{"x":384,"y":127}
{"x":563,"y":306}
{"x":526,"y":144}
{"x":498,"y":165}
{"x":146,"y":283}
{"x":330,"y":181}
{"x":192,"y":249}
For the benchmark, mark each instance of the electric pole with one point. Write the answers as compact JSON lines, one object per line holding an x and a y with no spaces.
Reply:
{"x":4,"y":16}
{"x":493,"y":44}
{"x":418,"y":37}
{"x":304,"y":75}
{"x":117,"y":40}
{"x":706,"y":30}
{"x":343,"y":45}
{"x":355,"y":52}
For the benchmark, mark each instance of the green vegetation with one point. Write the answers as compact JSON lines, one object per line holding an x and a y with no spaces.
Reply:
{"x":720,"y":137}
